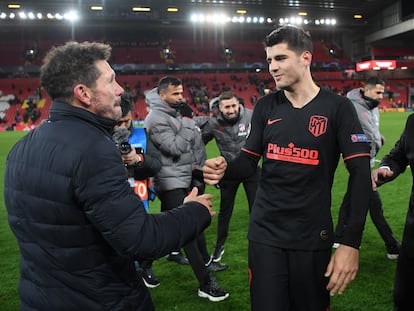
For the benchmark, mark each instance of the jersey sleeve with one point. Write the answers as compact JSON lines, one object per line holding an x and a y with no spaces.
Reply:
{"x":355,"y":150}
{"x":254,"y":142}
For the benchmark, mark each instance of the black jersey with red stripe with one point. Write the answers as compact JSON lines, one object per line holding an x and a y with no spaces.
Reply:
{"x":300,"y":149}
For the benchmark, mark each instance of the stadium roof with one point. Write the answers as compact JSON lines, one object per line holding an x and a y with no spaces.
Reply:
{"x":342,"y":10}
{"x":153,"y":14}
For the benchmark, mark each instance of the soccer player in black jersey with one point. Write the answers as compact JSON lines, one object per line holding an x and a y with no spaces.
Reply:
{"x":300,"y":132}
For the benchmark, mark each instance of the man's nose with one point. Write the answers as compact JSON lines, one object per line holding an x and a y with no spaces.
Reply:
{"x":273,"y":66}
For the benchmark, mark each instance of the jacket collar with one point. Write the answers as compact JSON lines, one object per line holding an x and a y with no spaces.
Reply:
{"x":155,"y":102}
{"x":59,"y":111}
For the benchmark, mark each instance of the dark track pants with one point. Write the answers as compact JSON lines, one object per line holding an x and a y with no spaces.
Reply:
{"x":228,"y":191}
{"x":172,"y":199}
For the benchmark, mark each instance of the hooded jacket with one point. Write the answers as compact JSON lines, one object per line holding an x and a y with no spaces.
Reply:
{"x":78,"y":222}
{"x":368,"y":115}
{"x":174,"y":136}
{"x":230,"y":137}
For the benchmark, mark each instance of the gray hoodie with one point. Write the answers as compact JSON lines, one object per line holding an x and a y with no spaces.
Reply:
{"x":173,"y":136}
{"x":368,"y":115}
{"x":230,"y":137}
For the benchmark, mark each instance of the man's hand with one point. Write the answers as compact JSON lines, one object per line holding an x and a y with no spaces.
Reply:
{"x":342,"y":269}
{"x":213,"y":170}
{"x":204,"y":199}
{"x":133,"y":157}
{"x":186,"y":111}
{"x":379,"y":176}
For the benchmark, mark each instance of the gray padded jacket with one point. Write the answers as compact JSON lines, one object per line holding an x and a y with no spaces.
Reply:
{"x":229,"y":137}
{"x":368,"y":116}
{"x":173,"y":136}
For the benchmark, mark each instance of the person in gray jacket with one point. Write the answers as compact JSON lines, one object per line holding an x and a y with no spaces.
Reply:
{"x":366,"y":101}
{"x":172,"y":132}
{"x":229,"y":124}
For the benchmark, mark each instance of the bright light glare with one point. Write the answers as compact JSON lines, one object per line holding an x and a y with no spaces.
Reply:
{"x":71,"y":16}
{"x":22,"y":15}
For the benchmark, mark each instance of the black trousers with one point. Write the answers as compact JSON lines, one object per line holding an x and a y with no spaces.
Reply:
{"x":404,"y":282}
{"x":377,"y":215}
{"x":404,"y":276}
{"x":228,"y":191}
{"x":287,"y":280}
{"x":172,"y":199}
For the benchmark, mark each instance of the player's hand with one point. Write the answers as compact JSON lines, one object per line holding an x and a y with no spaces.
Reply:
{"x":342,"y":269}
{"x":204,"y":199}
{"x":214,"y":169}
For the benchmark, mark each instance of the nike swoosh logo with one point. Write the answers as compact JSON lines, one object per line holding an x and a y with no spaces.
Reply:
{"x":269,"y":122}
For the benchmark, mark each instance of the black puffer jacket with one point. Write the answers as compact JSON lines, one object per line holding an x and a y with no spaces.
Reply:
{"x":78,"y":222}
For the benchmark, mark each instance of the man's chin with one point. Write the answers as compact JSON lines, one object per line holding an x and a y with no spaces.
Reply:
{"x":117,"y":113}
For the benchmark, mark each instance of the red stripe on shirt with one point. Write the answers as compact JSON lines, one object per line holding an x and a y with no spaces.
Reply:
{"x":357,"y":155}
{"x":251,"y":152}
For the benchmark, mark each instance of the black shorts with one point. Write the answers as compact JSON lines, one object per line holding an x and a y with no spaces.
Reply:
{"x":288,"y":280}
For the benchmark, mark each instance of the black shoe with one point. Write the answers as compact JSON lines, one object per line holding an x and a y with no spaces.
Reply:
{"x":218,"y":253}
{"x":149,"y":278}
{"x":393,"y":251}
{"x":212,"y":291}
{"x":213,"y":266}
{"x":178,"y":258}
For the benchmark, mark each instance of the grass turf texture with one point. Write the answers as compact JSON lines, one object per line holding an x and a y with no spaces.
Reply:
{"x":372,"y":289}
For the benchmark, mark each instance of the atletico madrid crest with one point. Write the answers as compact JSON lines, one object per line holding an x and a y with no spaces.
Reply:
{"x":318,"y":125}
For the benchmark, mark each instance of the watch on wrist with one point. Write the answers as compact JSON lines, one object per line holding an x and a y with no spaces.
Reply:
{"x":139,"y":161}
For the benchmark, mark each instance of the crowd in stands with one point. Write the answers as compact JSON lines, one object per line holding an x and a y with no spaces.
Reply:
{"x":22,"y":105}
{"x":28,"y":106}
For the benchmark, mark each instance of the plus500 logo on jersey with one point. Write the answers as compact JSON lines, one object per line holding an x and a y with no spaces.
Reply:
{"x":292,"y":154}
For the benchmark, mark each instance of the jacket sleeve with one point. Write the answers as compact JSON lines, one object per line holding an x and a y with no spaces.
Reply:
{"x":119,"y":216}
{"x":369,"y":126}
{"x":152,"y":162}
{"x":172,"y":138}
{"x":397,"y":159}
{"x":207,"y":131}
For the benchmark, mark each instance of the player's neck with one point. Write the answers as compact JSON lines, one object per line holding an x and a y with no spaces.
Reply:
{"x":302,"y":94}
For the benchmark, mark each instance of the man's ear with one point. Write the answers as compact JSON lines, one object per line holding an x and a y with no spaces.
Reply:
{"x":83,"y":94}
{"x":307,"y":56}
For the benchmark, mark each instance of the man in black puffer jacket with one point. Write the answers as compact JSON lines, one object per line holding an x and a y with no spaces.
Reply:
{"x":77,"y":221}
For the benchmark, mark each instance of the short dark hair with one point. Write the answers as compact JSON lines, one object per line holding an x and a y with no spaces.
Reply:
{"x":167,"y":81}
{"x":226,"y":95}
{"x":296,"y":38}
{"x":126,"y":105}
{"x":373,"y":81}
{"x":72,"y":63}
